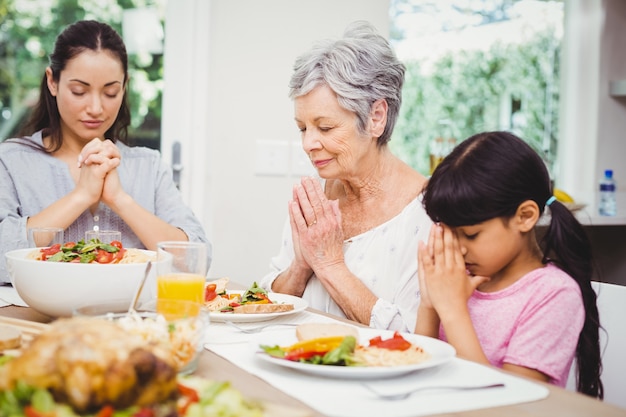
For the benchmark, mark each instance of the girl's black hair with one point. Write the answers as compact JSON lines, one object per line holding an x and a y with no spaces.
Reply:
{"x":488,"y":176}
{"x":76,"y":38}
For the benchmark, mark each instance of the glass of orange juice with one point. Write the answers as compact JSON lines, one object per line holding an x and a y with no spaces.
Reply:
{"x":181,"y":269}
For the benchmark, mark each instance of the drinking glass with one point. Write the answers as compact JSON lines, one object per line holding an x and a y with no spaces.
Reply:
{"x":44,"y":236}
{"x":181,"y":271}
{"x":105,"y":236}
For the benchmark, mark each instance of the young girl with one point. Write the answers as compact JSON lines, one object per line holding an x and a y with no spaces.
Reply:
{"x":487,"y":286}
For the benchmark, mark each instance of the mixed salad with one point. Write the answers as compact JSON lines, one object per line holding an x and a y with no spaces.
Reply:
{"x":334,"y":350}
{"x":253,"y":295}
{"x":84,"y":252}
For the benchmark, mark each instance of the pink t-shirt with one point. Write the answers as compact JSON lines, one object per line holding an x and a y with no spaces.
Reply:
{"x":533,"y":323}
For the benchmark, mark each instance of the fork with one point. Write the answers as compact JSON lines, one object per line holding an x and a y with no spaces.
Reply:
{"x":255,"y":329}
{"x":406,"y":394}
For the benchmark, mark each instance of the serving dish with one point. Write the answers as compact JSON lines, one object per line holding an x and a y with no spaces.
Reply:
{"x":198,"y":397}
{"x":180,"y":325}
{"x":440,"y":353}
{"x":298,"y":305}
{"x":57,"y":288}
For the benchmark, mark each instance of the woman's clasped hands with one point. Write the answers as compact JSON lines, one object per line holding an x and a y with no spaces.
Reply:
{"x":98,"y":178}
{"x":315,"y":226}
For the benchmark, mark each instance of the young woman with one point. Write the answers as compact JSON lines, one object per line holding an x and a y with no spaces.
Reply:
{"x":488,"y":286}
{"x":71,"y":167}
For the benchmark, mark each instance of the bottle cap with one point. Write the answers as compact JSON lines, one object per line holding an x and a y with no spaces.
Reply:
{"x":608,"y":173}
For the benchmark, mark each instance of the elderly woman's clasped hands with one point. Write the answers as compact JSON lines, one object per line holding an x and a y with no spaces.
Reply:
{"x":316,"y":226}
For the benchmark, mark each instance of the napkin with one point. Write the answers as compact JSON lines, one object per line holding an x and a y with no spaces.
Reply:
{"x":336,"y":397}
{"x":9,"y":296}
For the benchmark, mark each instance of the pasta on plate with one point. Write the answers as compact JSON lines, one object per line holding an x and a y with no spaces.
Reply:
{"x":375,"y":356}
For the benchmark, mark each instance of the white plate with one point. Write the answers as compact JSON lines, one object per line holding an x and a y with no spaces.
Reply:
{"x":298,"y":305}
{"x":440,"y":352}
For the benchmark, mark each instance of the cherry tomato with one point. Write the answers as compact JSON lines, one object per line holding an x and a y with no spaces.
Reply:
{"x":117,"y":244}
{"x":119,"y":255}
{"x":104,"y":257}
{"x":48,"y":252}
{"x":397,"y":342}
{"x":69,"y":245}
{"x":144,"y":412}
{"x":209,"y":292}
{"x":106,"y":411}
{"x":30,"y":411}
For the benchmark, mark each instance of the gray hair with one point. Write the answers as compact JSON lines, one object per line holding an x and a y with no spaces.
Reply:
{"x":360,"y":68}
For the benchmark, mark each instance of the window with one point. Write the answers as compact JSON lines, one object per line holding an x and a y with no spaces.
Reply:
{"x":474,"y":66}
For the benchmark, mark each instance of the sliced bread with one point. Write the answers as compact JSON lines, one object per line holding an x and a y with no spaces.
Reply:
{"x":262,"y":308}
{"x":308,"y":331}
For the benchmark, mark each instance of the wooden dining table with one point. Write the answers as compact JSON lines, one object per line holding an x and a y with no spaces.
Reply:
{"x":559,"y":402}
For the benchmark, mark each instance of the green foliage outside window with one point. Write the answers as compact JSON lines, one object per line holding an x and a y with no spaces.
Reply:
{"x":512,"y":86}
{"x":466,"y":91}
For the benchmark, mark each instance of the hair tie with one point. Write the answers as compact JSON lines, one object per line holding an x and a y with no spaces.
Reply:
{"x":550,"y":201}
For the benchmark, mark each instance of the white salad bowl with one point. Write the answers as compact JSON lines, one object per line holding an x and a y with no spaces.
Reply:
{"x":57,"y":288}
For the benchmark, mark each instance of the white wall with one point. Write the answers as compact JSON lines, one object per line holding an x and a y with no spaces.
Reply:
{"x":611,"y":110}
{"x":593,"y":124}
{"x":233,"y":90}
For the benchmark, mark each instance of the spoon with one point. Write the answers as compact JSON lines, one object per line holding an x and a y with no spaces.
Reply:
{"x":133,"y":303}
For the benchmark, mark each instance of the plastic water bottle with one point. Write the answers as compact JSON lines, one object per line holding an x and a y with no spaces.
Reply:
{"x":607,"y":206}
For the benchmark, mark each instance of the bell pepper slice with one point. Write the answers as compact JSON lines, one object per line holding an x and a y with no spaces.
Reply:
{"x":321,"y":344}
{"x":396,"y":342}
{"x":296,"y":355}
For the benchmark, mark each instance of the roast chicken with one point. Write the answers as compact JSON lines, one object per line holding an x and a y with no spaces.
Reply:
{"x":88,"y":363}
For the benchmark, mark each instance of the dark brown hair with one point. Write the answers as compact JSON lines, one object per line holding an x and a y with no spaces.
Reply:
{"x":488,"y":176}
{"x":76,"y":38}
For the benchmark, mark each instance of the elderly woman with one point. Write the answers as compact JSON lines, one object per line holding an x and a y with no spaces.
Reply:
{"x":349,"y":247}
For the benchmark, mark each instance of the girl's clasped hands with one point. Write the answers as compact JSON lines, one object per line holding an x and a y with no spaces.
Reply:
{"x":445,"y":282}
